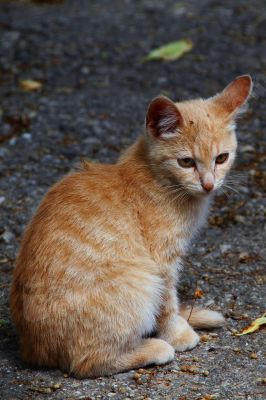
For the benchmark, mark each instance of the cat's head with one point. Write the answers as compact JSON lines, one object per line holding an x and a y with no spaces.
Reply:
{"x":193,"y":143}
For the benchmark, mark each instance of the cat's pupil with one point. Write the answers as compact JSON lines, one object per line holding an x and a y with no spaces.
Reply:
{"x":222,"y":158}
{"x":186,"y":162}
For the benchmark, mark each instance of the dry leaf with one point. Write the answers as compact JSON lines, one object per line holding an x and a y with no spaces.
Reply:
{"x":171,"y":51}
{"x":29,"y":85}
{"x":205,"y":338}
{"x":254,"y":326}
{"x":198,"y":293}
{"x":191,"y":369}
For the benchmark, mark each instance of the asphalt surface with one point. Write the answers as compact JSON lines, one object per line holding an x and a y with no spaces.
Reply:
{"x":95,"y":90}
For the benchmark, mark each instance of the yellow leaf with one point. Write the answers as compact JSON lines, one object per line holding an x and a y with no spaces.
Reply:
{"x":254,"y":326}
{"x":29,"y":85}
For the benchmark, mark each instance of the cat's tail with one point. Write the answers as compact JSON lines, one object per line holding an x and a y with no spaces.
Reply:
{"x":202,"y":317}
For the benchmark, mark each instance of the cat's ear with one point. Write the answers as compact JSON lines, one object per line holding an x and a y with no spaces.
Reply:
{"x":163,"y":118}
{"x":235,"y":96}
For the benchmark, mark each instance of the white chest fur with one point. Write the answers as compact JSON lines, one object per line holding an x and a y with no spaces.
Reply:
{"x":188,"y":223}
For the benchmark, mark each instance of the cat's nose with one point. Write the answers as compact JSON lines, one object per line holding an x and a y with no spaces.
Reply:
{"x":207,"y":186}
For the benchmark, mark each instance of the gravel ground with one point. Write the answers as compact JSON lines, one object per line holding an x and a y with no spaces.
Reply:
{"x":95,"y":90}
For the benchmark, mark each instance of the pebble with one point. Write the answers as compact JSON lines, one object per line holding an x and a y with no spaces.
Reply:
{"x":240,"y":218}
{"x":209,"y":302}
{"x":27,"y":136}
{"x":57,"y":386}
{"x":2,"y":199}
{"x":236,"y":350}
{"x":13,"y":141}
{"x":225,"y":247}
{"x":247,"y":149}
{"x":3,"y":152}
{"x":8,"y":236}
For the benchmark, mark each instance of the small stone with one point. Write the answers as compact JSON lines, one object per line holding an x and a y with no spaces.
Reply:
{"x":136,"y":376}
{"x":85,"y":70}
{"x":205,"y":373}
{"x":32,"y":114}
{"x":8,"y":236}
{"x":209,"y":302}
{"x":44,"y":390}
{"x":27,"y":136}
{"x":57,"y":386}
{"x":225,"y":248}
{"x":2,"y":199}
{"x":174,"y":370}
{"x":236,"y":350}
{"x":247,"y":149}
{"x":240,"y":218}
{"x":141,"y":371}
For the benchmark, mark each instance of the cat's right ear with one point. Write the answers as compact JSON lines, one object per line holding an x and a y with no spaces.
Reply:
{"x":234,"y":97}
{"x":163,"y":119}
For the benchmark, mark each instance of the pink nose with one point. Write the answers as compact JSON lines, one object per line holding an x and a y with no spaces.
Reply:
{"x":208,"y":186}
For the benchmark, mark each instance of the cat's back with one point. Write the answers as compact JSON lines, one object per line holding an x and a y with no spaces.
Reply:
{"x":85,"y":190}
{"x":78,"y":218}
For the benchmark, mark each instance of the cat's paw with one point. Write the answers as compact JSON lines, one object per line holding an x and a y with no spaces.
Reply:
{"x":164,"y":352}
{"x":186,"y":340}
{"x":184,"y":337}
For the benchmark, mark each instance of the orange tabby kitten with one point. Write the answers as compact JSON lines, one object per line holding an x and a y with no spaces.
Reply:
{"x":97,"y":271}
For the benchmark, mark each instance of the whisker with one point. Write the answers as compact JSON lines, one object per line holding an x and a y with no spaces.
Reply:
{"x":231,"y":188}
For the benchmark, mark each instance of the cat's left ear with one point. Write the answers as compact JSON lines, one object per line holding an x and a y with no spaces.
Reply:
{"x":163,"y":119}
{"x":234,"y":97}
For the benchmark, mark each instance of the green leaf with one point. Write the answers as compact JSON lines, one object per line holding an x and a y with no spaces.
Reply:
{"x":2,"y":323}
{"x":171,"y":51}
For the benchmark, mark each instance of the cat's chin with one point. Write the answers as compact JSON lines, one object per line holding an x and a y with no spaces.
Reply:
{"x":202,"y":194}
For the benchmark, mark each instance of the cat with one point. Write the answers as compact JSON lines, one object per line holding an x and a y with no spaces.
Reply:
{"x":94,"y":288}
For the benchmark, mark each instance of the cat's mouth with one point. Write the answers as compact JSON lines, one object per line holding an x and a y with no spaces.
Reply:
{"x":202,"y":192}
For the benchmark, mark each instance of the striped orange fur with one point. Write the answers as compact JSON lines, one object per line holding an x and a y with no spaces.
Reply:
{"x":94,"y":284}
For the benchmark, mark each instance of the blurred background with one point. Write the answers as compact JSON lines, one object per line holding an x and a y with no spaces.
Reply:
{"x":75,"y":82}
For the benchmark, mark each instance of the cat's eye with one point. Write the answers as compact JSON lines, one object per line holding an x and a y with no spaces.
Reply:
{"x":221,"y":158}
{"x":186,"y":162}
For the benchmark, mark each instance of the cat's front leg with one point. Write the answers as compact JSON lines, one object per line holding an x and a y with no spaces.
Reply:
{"x":173,"y":328}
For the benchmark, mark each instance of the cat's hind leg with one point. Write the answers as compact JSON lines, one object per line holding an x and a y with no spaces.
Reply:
{"x":148,"y":352}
